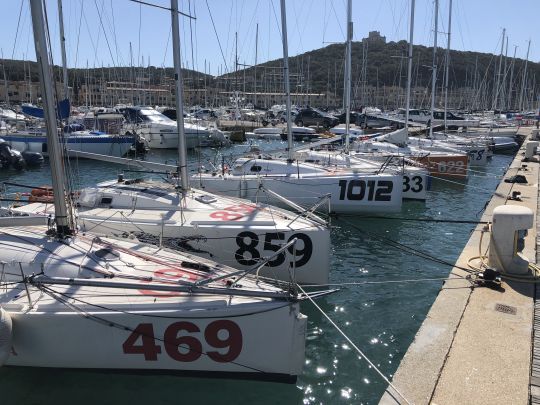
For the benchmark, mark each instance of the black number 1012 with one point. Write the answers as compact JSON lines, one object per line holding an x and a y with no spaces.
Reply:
{"x":374,"y":190}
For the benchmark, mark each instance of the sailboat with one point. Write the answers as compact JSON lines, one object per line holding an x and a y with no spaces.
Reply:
{"x":305,"y":184}
{"x":415,"y":179}
{"x":232,"y":231}
{"x":72,"y":300}
{"x":440,"y":160}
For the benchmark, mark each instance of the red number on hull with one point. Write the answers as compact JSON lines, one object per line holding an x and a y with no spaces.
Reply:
{"x":233,"y":212}
{"x":185,"y":348}
{"x":182,"y":348}
{"x":233,"y":341}
{"x":147,"y":347}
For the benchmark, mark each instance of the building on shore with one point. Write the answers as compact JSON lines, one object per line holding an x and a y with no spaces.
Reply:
{"x":19,"y":92}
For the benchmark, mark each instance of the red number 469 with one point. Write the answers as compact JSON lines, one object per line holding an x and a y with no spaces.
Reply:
{"x":181,"y":346}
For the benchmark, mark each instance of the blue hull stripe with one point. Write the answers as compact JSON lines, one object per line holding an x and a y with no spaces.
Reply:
{"x":69,"y":140}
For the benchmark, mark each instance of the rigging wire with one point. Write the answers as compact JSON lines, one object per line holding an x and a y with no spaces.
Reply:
{"x":358,"y":350}
{"x":359,"y":283}
{"x":140,"y":2}
{"x":17,"y":31}
{"x":405,"y":248}
{"x":217,"y":37}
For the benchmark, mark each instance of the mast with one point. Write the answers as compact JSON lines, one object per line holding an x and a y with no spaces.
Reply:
{"x":496,"y":92}
{"x":205,"y":87}
{"x":511,"y":78}
{"x":520,"y":105}
{"x":182,"y":182}
{"x":409,"y":68}
{"x":286,"y":80}
{"x":236,"y":92}
{"x":63,"y":46}
{"x":434,"y":67}
{"x":255,"y":66}
{"x":447,"y":67}
{"x":347,"y":95}
{"x":503,"y":83}
{"x":62,"y":218}
{"x":475,"y":76}
{"x":87,"y":78}
{"x":5,"y":78}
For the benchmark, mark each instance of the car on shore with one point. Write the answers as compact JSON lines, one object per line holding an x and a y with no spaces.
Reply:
{"x":314,"y":117}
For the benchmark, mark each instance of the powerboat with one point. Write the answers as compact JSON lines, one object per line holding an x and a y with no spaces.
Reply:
{"x":160,"y":132}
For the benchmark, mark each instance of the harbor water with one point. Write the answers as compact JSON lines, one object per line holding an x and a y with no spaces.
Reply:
{"x":381,"y":314}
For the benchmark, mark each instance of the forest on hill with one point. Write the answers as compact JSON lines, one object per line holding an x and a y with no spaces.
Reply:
{"x":375,"y":64}
{"x":385,"y":64}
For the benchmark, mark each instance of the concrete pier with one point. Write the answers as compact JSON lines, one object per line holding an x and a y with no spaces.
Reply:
{"x":476,"y":345}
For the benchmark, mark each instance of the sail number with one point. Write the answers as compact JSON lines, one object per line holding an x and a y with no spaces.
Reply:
{"x":375,"y":190}
{"x":476,"y":154}
{"x":414,"y":184}
{"x":182,"y":344}
{"x":233,"y":212}
{"x":451,"y":166}
{"x":248,"y":253}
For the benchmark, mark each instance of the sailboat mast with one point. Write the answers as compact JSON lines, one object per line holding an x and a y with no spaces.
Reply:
{"x":236,"y":92}
{"x":503,"y":82}
{"x":62,"y":218}
{"x":255,"y":66}
{"x":5,"y":78}
{"x":447,"y":67}
{"x":286,"y":83}
{"x":434,"y":67}
{"x":182,"y":158}
{"x":496,"y":92}
{"x":63,"y":46}
{"x":347,"y":94}
{"x":511,"y":78}
{"x":520,"y":105}
{"x":409,"y":67}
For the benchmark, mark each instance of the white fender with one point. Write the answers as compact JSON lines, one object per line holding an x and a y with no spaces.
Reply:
{"x":6,"y":336}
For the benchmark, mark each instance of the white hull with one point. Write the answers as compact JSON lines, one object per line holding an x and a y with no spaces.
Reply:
{"x":103,"y":145}
{"x":169,"y":140}
{"x":349,"y":193}
{"x":263,"y":135}
{"x":231,"y":244}
{"x":109,"y":304}
{"x":415,"y":180}
{"x":230,"y":231}
{"x":44,"y":337}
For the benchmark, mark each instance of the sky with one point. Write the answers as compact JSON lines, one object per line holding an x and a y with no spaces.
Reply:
{"x":120,"y":32}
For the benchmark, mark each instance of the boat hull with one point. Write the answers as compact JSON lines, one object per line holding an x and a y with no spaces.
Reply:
{"x":445,"y":166}
{"x":229,"y":243}
{"x":103,"y":145}
{"x":415,"y":185}
{"x":349,"y":194}
{"x":194,"y":139}
{"x":164,"y":340}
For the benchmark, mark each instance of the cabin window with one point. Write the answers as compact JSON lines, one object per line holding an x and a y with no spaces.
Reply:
{"x":255,"y":168}
{"x":106,"y":200}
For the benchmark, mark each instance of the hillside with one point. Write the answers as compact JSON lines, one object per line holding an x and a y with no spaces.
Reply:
{"x":18,"y":70}
{"x":321,"y":70}
{"x":379,"y":70}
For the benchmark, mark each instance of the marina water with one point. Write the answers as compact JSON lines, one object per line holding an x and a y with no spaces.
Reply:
{"x":381,"y":317}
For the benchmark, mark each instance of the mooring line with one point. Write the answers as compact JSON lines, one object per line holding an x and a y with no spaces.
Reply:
{"x":355,"y":347}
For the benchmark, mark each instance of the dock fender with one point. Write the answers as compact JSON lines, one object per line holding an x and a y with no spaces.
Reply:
{"x":6,"y":336}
